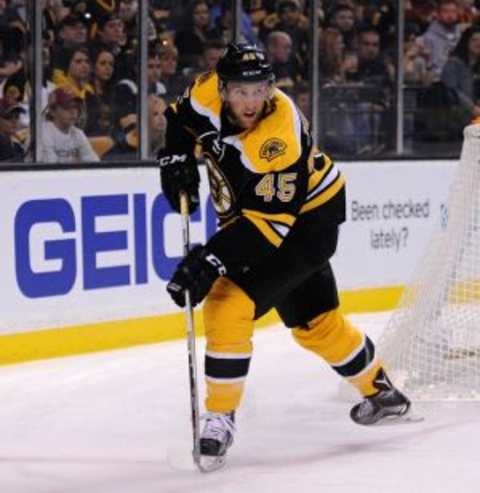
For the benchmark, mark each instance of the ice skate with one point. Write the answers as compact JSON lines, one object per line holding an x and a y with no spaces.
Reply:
{"x":387,"y":405}
{"x":215,"y":439}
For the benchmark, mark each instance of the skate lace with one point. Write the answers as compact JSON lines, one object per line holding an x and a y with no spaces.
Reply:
{"x":217,"y":425}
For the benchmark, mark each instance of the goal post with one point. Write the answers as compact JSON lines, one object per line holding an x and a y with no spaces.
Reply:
{"x":431,"y":344}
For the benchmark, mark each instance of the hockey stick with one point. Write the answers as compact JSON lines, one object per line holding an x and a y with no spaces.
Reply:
{"x":192,"y":355}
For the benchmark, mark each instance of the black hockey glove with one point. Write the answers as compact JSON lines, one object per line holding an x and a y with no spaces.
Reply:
{"x":196,"y":272}
{"x":179,"y":173}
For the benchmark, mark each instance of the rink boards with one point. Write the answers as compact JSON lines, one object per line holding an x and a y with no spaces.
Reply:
{"x":87,"y":253}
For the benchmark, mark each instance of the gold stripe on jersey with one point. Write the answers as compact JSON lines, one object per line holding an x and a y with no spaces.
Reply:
{"x":274,"y":227}
{"x":270,"y":234}
{"x":320,"y":180}
{"x":205,"y":99}
{"x":317,"y":175}
{"x":325,"y":194}
{"x":286,"y":219}
{"x":275,"y":142}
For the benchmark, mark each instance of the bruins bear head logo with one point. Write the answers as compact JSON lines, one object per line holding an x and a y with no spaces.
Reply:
{"x":272,"y":148}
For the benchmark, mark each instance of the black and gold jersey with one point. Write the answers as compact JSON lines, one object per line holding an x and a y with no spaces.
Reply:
{"x":261,"y":179}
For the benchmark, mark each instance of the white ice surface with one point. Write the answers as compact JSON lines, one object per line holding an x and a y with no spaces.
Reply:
{"x":118,"y":422}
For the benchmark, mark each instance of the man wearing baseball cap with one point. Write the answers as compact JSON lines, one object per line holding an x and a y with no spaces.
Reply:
{"x":62,"y":140}
{"x":10,"y":149}
{"x":73,"y":30}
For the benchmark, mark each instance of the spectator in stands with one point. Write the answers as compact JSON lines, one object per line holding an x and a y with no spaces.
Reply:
{"x":195,"y":31}
{"x":370,"y":118}
{"x":74,"y":72}
{"x":174,"y":82}
{"x":14,"y":89}
{"x":127,"y":12}
{"x":331,"y":51}
{"x":279,"y":52}
{"x":343,"y":19}
{"x":154,"y":72}
{"x":289,"y":18}
{"x":157,"y":124}
{"x":222,"y":19}
{"x":350,"y":66}
{"x":11,"y":53}
{"x":72,"y":32}
{"x":442,"y":36}
{"x":302,"y":99}
{"x":103,"y":73}
{"x":161,"y":12}
{"x":123,"y":144}
{"x":14,"y":94}
{"x":211,"y":53}
{"x":421,"y":13}
{"x":10,"y":149}
{"x":124,"y":116}
{"x":372,"y":66}
{"x":382,"y":15}
{"x":62,"y":140}
{"x":462,"y":68}
{"x":109,"y":34}
{"x":257,"y":10}
{"x":47,"y":86}
{"x":415,"y":58}
{"x":17,"y":88}
{"x":99,"y":103}
{"x":8,"y":13}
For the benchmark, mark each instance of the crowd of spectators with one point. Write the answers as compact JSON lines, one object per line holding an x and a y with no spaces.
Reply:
{"x":90,"y":68}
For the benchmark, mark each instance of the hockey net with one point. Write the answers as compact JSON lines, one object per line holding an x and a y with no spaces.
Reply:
{"x":431,"y":344}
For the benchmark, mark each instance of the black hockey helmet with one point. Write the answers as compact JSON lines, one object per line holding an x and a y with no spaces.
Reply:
{"x":242,"y":62}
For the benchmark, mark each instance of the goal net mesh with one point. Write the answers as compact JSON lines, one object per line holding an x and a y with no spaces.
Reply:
{"x":431,"y":344}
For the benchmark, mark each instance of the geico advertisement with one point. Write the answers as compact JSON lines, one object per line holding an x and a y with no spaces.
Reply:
{"x":85,"y":246}
{"x":392,"y":211}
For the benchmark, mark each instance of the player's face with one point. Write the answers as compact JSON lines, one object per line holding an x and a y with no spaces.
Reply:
{"x":246,"y":101}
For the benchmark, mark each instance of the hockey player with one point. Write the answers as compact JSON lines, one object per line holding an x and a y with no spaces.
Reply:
{"x":279,"y":203}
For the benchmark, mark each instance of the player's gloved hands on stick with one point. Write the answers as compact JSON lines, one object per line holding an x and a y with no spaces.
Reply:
{"x":179,"y":173}
{"x":195,"y":273}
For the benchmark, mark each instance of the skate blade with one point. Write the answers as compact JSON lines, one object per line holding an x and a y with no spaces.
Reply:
{"x":408,"y":418}
{"x":207,"y":463}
